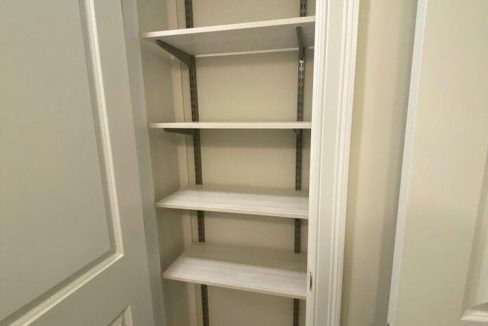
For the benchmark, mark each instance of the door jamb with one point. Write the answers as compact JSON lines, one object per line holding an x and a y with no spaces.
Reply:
{"x":334,"y":75}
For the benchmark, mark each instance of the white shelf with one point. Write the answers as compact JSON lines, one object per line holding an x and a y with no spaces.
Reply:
{"x":279,"y":203}
{"x":263,"y":36}
{"x":274,"y":272}
{"x":233,"y":125}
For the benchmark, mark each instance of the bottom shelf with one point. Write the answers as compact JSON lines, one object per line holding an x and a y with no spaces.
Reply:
{"x":275,"y":272}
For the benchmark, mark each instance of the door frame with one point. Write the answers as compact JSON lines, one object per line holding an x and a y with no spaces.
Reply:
{"x":333,"y":92}
{"x":136,"y":84}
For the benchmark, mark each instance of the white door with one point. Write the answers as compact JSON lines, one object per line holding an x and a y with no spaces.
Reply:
{"x":72,"y":246}
{"x":440,"y":275}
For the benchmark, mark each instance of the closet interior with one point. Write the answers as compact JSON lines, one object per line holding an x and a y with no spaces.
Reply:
{"x":228,"y":88}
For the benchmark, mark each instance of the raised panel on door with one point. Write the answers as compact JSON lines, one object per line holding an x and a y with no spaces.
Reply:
{"x":440,"y":271}
{"x":72,"y":248}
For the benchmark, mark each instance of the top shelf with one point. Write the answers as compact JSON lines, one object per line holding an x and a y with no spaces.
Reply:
{"x":262,"y":36}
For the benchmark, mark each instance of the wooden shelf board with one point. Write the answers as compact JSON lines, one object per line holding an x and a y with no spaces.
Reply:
{"x":233,"y":125}
{"x":279,"y":203}
{"x":250,"y":37}
{"x":274,"y":272}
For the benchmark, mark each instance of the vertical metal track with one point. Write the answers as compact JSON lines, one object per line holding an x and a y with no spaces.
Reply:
{"x":303,"y":8}
{"x":299,"y":144}
{"x":197,"y":152}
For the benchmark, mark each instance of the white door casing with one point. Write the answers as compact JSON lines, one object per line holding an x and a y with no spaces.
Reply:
{"x":440,"y":261}
{"x":72,"y":246}
{"x":333,"y":92}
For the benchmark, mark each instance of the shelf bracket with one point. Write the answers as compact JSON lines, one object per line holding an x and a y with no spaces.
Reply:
{"x":177,"y":53}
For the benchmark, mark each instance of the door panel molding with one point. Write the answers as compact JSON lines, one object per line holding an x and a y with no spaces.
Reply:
{"x":87,"y":8}
{"x":476,"y":293}
{"x":124,"y":319}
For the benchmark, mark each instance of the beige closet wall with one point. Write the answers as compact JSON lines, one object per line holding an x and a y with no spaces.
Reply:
{"x":386,"y":30}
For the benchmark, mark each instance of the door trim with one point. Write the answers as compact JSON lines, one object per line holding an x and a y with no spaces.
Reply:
{"x":136,"y":83}
{"x":333,"y":92}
